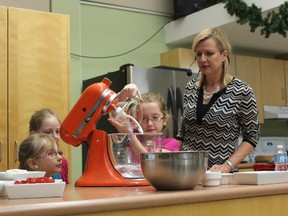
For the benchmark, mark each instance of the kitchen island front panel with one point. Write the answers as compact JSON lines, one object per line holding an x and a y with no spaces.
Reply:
{"x":235,"y":199}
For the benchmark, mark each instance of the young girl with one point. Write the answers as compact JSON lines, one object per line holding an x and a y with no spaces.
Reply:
{"x":45,"y":121}
{"x":155,"y":118}
{"x":39,"y":152}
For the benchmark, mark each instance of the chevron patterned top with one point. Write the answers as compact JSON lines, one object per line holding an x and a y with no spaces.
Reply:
{"x":234,"y":111}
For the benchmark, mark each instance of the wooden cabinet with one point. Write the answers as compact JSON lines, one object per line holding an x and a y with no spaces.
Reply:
{"x":267,"y":78}
{"x":37,"y":71}
{"x":3,"y":89}
{"x":179,"y":57}
{"x":248,"y":69}
{"x":273,"y":82}
{"x":183,"y":58}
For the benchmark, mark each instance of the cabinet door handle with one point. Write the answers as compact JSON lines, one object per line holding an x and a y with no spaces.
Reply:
{"x":283,"y":93}
{"x":16,"y":148}
{"x":1,"y":150}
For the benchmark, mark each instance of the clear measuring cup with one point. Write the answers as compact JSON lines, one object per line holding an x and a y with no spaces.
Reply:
{"x":129,"y":113}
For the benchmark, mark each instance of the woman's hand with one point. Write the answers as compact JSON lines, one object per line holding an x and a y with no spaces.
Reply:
{"x":129,"y":91}
{"x":243,"y":150}
{"x":224,"y":168}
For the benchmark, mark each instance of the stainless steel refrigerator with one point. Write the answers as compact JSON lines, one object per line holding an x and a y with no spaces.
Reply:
{"x":170,"y":82}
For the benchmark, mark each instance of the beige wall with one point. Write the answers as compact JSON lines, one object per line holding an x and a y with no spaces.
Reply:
{"x":160,"y":6}
{"x":41,"y":5}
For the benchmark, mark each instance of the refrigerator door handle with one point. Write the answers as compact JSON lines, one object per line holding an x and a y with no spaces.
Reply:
{"x":171,"y":104}
{"x":179,"y":101}
{"x":179,"y":107}
{"x":123,"y":68}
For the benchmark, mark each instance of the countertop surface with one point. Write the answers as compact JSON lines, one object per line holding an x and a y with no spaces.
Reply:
{"x":81,"y":200}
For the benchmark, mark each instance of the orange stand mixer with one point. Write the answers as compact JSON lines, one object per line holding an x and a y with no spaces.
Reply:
{"x":80,"y":126}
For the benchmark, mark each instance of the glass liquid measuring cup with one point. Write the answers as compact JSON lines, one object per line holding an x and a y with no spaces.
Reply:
{"x":129,"y":114}
{"x":122,"y":155}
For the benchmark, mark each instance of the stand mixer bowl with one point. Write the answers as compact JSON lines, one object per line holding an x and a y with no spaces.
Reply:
{"x":122,"y":153}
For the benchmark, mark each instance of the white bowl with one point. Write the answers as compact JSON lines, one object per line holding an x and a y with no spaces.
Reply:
{"x":211,"y":179}
{"x":17,"y":174}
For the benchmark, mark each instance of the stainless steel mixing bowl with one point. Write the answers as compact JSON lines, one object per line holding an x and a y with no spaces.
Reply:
{"x":174,"y":170}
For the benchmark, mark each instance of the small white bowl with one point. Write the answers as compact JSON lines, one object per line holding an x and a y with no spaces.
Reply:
{"x":211,"y":179}
{"x":17,"y":174}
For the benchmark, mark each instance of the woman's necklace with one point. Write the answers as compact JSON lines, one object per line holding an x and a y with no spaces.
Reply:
{"x":208,"y":95}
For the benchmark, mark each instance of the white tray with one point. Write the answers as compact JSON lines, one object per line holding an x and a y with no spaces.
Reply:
{"x":2,"y":189}
{"x":19,"y":175}
{"x":38,"y":190}
{"x":261,"y":177}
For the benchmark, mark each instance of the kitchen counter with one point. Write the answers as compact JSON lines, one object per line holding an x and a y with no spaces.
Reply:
{"x":113,"y":201}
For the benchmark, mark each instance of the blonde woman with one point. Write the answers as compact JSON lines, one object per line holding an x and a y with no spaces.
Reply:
{"x":218,"y":107}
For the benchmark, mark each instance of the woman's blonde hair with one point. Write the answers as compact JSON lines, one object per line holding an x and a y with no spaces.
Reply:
{"x":32,"y":147}
{"x":222,"y":41}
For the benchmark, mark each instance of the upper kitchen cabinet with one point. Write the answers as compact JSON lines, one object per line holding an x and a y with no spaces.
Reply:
{"x":3,"y":89}
{"x":248,"y":70}
{"x":179,"y":57}
{"x":183,"y":58}
{"x":38,"y":73}
{"x":273,"y":82}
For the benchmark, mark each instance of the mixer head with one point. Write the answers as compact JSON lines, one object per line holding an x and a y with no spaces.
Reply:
{"x":94,"y":102}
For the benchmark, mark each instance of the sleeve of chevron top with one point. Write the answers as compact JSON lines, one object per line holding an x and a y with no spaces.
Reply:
{"x":190,"y":94}
{"x":249,"y":117}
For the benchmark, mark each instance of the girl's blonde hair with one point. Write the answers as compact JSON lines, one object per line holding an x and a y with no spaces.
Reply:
{"x":156,"y":98}
{"x":32,"y":147}
{"x":222,"y":41}
{"x":38,"y":117}
{"x":151,"y":97}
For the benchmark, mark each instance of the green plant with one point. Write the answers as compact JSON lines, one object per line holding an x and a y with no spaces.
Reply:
{"x":273,"y":22}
